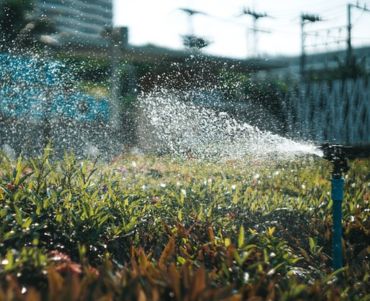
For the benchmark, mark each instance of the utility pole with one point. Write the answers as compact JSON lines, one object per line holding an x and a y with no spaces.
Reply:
{"x":349,"y":35}
{"x":350,"y":58}
{"x":191,"y":13}
{"x":256,"y":16}
{"x":306,"y":18}
{"x":191,"y":40}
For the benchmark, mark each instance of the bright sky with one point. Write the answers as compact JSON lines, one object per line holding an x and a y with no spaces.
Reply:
{"x":160,"y":22}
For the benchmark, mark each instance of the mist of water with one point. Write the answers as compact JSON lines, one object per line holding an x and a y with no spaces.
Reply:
{"x":170,"y":124}
{"x":39,"y":100}
{"x":40,"y":103}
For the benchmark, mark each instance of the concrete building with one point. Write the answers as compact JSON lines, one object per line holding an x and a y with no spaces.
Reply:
{"x":78,"y":21}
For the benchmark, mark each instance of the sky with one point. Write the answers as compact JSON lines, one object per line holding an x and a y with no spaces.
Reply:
{"x":162,"y":23}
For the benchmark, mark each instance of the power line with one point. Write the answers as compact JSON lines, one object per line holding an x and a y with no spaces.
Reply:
{"x":331,"y":36}
{"x":326,"y":37}
{"x":350,"y":6}
{"x":358,"y":18}
{"x":327,"y":43}
{"x":310,"y":32}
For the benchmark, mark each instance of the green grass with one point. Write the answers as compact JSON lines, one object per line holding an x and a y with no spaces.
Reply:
{"x":156,"y":228}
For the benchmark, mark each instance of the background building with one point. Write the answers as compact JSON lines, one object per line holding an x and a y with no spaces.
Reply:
{"x":78,"y":21}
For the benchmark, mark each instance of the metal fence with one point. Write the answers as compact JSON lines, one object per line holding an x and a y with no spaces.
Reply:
{"x":330,"y":111}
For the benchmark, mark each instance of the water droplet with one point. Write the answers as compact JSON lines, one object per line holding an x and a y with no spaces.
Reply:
{"x":246,"y":277}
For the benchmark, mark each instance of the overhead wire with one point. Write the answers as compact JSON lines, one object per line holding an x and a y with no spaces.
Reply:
{"x":330,"y":13}
{"x":358,"y":18}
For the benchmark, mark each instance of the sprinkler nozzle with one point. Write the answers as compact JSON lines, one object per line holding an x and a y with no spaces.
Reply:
{"x":338,"y":155}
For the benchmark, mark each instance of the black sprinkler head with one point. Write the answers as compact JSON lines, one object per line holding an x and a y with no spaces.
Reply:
{"x":338,"y":155}
{"x":334,"y":151}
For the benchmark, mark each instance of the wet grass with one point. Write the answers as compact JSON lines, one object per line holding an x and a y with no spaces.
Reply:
{"x":150,"y":228}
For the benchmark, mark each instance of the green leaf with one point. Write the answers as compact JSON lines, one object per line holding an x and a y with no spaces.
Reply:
{"x":18,"y":171}
{"x":18,"y":216}
{"x":237,"y":258}
{"x":181,"y":260}
{"x":179,"y":215}
{"x":182,"y":197}
{"x":312,"y":244}
{"x":22,"y":179}
{"x":9,"y":261}
{"x":270,"y":231}
{"x":241,"y":237}
{"x":27,"y":223}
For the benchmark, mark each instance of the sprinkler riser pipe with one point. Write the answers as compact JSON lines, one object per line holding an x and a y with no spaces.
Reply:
{"x":337,"y":197}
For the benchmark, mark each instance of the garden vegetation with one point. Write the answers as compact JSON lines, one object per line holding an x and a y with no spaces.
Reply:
{"x":158,"y":228}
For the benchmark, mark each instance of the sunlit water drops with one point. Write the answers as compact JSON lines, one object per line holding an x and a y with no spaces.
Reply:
{"x":174,"y":124}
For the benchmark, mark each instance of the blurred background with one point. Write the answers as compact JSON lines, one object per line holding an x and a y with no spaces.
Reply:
{"x":230,"y":26}
{"x":73,"y":71}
